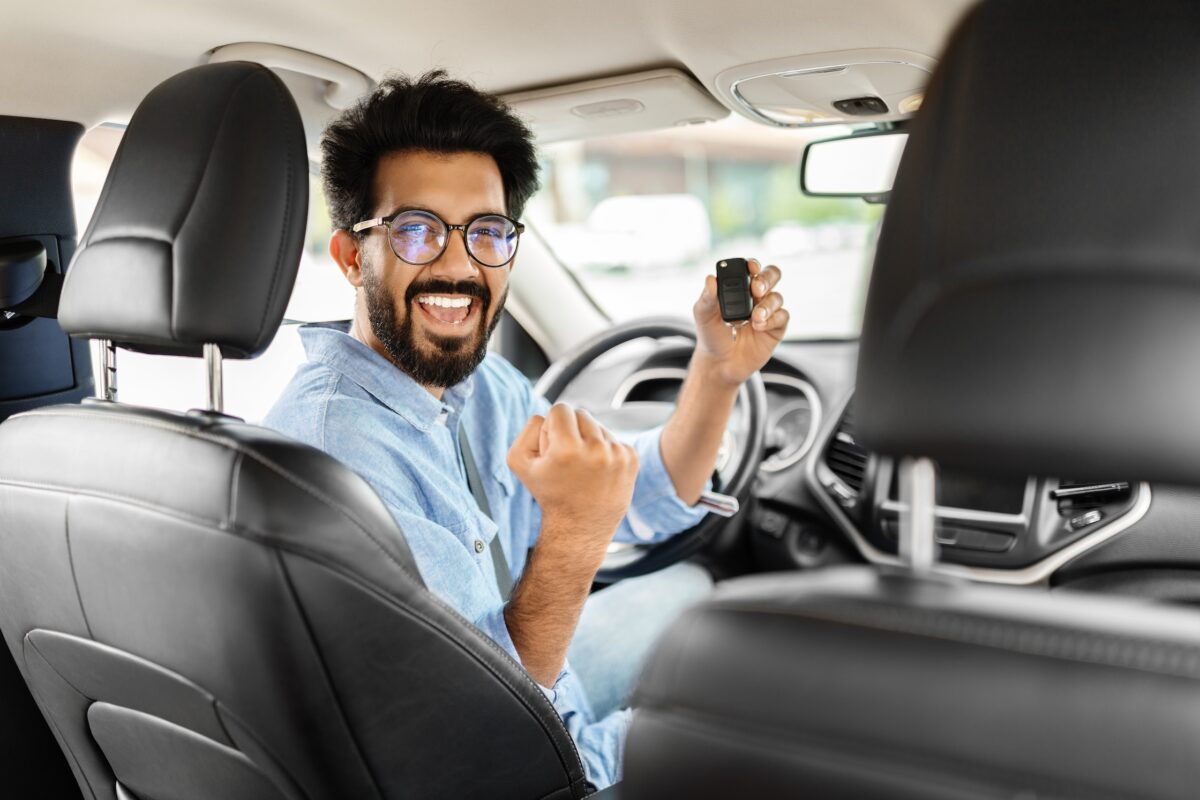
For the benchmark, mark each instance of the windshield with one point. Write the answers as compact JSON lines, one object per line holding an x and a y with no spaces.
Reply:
{"x":640,"y":219}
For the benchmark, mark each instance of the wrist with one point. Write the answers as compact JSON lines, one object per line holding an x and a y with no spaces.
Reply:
{"x":578,"y":541}
{"x":713,"y":372}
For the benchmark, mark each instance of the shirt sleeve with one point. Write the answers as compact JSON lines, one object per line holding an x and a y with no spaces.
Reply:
{"x":656,"y":513}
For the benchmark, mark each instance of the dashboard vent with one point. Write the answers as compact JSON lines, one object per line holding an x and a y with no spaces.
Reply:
{"x":845,"y":457}
{"x":1075,"y":497}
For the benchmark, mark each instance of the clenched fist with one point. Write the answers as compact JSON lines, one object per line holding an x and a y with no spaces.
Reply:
{"x":579,"y":474}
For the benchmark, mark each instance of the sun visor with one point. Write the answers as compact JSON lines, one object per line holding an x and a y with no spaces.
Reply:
{"x":660,"y":98}
{"x":827,"y":88}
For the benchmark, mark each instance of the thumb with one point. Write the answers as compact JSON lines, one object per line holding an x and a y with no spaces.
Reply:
{"x":706,"y":307}
{"x":528,"y":442}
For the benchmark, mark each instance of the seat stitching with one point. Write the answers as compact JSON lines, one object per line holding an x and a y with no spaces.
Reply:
{"x":53,"y":721}
{"x":195,"y":191}
{"x":303,"y":486}
{"x":277,"y":84}
{"x":329,"y":685}
{"x":71,"y":562}
{"x":417,"y":616}
{"x":237,"y":447}
{"x":254,"y":534}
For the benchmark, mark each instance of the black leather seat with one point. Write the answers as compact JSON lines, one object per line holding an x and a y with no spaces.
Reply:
{"x":204,"y":608}
{"x":1034,"y":309}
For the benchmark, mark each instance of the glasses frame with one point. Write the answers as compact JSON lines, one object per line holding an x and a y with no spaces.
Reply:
{"x":386,"y":222}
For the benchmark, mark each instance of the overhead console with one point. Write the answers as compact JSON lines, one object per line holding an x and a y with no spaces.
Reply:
{"x":989,"y":528}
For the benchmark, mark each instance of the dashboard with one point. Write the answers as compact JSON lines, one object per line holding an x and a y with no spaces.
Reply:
{"x":820,"y":497}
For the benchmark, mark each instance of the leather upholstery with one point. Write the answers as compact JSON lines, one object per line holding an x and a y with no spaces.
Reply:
{"x":851,"y":684}
{"x":204,"y":604}
{"x":204,"y":608}
{"x":198,"y":232}
{"x":1034,"y":309}
{"x":1035,"y":301}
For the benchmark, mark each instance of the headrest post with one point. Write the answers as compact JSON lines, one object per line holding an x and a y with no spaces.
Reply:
{"x":216,"y":390}
{"x":918,"y":495}
{"x":107,"y":390}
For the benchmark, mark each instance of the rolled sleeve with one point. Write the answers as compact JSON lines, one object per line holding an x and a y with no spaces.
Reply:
{"x":656,"y":512}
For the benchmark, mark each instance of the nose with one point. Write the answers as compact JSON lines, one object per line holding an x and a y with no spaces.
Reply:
{"x":455,"y":263}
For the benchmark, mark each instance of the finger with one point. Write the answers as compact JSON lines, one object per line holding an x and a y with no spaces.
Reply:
{"x":766,"y":308}
{"x":528,"y":441}
{"x":706,"y":306}
{"x":589,"y":429}
{"x":561,"y":422}
{"x":765,"y":281}
{"x":776,"y":326}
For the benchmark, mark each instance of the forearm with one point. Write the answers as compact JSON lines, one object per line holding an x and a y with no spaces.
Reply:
{"x":546,"y":603}
{"x":692,"y":436}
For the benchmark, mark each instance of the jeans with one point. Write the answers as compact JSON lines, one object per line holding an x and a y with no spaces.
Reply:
{"x":621,"y":623}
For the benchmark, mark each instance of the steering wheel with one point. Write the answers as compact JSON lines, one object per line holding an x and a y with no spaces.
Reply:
{"x":735,"y":476}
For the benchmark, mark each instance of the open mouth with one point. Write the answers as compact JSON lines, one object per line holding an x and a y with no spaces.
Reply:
{"x":448,"y":309}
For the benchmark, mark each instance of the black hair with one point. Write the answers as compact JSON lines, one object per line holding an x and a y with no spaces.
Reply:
{"x":432,"y":113}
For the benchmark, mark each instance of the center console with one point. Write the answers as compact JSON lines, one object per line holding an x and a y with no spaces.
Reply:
{"x":994,"y":528}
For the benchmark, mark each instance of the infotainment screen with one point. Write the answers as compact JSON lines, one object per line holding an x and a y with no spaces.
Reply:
{"x":957,"y":489}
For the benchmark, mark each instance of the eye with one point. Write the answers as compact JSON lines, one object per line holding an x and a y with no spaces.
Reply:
{"x":491,"y":229}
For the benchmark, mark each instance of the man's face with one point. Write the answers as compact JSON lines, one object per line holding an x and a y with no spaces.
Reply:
{"x":434,"y":321}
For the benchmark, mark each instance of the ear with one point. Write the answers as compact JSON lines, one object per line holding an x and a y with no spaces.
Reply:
{"x":343,"y":248}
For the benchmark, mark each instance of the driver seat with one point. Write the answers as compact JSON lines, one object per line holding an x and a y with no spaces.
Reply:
{"x":204,"y":608}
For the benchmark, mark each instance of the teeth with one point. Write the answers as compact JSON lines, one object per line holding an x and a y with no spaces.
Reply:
{"x":444,"y":302}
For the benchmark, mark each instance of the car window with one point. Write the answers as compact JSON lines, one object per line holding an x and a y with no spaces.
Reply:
{"x":640,"y":219}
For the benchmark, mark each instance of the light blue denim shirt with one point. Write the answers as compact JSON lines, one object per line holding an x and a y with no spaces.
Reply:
{"x":357,"y":406}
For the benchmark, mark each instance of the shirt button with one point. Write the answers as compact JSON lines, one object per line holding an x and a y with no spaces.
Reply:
{"x":479,"y":545}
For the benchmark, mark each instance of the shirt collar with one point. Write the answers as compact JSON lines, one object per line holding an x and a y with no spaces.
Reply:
{"x":382,"y":379}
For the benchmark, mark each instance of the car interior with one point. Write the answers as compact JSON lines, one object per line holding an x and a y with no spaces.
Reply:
{"x":953,"y":523}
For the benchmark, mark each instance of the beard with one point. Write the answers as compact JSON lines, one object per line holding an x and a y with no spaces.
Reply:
{"x":442,"y":361}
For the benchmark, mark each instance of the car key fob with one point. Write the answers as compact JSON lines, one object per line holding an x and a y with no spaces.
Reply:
{"x":733,"y":289}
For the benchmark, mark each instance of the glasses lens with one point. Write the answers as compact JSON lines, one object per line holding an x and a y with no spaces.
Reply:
{"x":417,"y":237}
{"x":492,"y":240}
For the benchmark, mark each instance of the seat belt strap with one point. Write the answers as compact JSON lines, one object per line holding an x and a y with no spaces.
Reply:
{"x":504,"y":581}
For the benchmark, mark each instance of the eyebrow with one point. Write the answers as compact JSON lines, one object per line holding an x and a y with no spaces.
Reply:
{"x":414,"y":207}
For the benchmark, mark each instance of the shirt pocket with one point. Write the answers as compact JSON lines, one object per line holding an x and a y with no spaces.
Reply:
{"x":504,"y":479}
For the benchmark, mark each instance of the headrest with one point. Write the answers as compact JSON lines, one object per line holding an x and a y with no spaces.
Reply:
{"x":199,"y":229}
{"x":1035,"y":300}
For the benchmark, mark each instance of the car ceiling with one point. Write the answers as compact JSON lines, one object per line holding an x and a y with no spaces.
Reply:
{"x":93,"y":62}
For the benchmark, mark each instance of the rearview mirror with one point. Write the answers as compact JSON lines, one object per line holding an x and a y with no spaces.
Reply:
{"x":862,"y":165}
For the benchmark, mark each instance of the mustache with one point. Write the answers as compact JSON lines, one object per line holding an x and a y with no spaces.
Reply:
{"x":442,"y":286}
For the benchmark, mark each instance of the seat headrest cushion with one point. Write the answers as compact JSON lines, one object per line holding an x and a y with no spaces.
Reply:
{"x":199,"y":229}
{"x":1035,"y":300}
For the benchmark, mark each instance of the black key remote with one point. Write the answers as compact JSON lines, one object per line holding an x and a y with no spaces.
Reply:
{"x":733,"y":289}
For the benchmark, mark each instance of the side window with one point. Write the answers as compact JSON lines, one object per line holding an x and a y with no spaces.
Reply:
{"x":321,"y":293}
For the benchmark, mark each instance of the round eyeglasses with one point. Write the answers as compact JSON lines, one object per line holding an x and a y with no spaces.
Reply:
{"x":420,"y":237}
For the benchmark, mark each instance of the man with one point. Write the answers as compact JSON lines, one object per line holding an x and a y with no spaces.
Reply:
{"x":425,"y":180}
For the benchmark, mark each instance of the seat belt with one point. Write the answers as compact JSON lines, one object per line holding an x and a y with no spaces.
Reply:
{"x":504,"y":581}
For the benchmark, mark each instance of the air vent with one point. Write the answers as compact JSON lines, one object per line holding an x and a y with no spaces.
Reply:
{"x":845,"y":457}
{"x":1076,"y":497}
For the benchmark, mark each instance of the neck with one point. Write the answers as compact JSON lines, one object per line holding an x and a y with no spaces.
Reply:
{"x":360,"y":329}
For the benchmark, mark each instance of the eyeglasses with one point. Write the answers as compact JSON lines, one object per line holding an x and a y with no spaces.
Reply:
{"x":420,"y":237}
